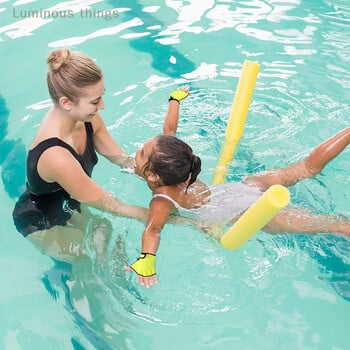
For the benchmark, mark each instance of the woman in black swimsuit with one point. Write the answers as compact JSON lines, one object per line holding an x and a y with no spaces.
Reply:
{"x":62,"y":156}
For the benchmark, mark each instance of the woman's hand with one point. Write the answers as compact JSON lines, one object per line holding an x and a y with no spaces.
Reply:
{"x":213,"y":230}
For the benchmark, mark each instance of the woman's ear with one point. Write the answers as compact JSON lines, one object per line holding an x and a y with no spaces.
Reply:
{"x":65,"y":103}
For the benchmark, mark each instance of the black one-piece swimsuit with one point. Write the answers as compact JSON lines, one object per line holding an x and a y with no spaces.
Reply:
{"x":44,"y":205}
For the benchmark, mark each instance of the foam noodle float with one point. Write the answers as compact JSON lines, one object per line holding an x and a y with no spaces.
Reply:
{"x":256,"y":217}
{"x":238,"y":116}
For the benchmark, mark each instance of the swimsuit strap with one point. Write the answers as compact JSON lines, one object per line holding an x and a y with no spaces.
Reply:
{"x":176,"y":204}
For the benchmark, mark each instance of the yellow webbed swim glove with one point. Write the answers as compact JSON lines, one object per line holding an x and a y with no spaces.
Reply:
{"x":145,"y":265}
{"x":178,"y":95}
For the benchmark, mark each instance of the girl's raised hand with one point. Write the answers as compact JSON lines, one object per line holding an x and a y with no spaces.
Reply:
{"x":180,"y":94}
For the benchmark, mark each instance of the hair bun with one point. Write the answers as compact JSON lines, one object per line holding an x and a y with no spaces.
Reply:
{"x":57,"y":59}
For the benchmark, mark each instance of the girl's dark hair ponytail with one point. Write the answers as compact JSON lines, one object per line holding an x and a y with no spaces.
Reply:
{"x":195,"y":169}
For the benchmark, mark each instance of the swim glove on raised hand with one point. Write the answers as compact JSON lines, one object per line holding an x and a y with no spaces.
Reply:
{"x":179,"y":94}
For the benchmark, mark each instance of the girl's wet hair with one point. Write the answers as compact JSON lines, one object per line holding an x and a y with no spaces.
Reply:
{"x":173,"y":161}
{"x":69,"y":72}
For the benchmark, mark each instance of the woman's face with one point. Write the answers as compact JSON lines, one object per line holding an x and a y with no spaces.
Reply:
{"x":89,"y":102}
{"x":142,"y":157}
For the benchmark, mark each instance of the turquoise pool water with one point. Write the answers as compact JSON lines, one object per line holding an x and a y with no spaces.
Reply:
{"x":287,"y":292}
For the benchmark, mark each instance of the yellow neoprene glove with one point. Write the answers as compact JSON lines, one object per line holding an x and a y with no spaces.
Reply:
{"x":145,"y":265}
{"x":178,"y":95}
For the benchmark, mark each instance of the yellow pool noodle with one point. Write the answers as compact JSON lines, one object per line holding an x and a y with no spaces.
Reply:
{"x":237,"y":119}
{"x":256,"y":217}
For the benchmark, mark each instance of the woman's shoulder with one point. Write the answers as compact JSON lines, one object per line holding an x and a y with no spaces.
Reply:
{"x":46,"y":130}
{"x":97,"y":123}
{"x":58,"y":155}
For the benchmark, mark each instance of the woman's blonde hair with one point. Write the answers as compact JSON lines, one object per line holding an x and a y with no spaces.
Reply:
{"x":69,"y":72}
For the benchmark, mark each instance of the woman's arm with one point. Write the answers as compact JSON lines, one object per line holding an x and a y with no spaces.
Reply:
{"x":58,"y":165}
{"x":144,"y":266}
{"x":110,"y":203}
{"x":106,"y":146}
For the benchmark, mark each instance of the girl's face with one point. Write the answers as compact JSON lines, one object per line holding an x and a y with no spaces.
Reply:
{"x":142,"y":157}
{"x":89,"y":102}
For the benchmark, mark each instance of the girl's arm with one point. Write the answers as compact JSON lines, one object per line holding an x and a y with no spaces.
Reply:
{"x":144,"y":266}
{"x":172,"y":116}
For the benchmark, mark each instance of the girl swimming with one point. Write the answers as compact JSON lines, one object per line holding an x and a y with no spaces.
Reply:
{"x":170,"y":169}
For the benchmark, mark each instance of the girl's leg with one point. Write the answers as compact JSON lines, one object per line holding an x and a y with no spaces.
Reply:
{"x":295,"y":220}
{"x":309,"y":167}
